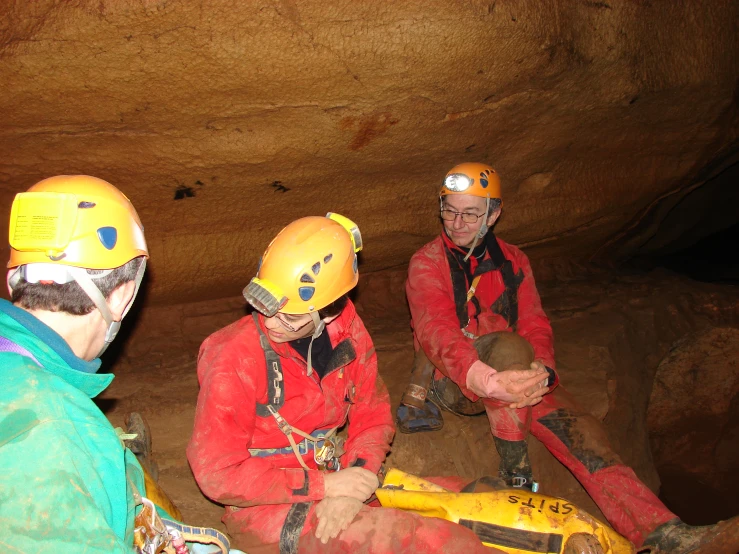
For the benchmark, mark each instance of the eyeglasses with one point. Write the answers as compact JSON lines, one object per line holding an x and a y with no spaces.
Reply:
{"x":451,"y":215}
{"x":286,"y":325}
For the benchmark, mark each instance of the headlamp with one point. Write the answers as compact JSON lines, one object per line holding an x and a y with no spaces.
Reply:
{"x":350,"y":227}
{"x":457,"y":182}
{"x":264,"y":296}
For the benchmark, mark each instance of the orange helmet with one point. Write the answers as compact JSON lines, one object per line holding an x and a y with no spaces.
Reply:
{"x":471,"y":178}
{"x":63,"y":226}
{"x":308,"y":265}
{"x":74,"y":220}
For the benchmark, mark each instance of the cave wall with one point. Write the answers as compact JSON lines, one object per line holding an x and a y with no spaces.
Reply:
{"x":224,"y":120}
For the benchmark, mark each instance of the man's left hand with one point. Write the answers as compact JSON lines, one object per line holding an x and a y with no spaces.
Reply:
{"x":537,"y":365}
{"x":335,"y":515}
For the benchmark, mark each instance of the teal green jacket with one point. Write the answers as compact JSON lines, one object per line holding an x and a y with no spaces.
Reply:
{"x":65,"y":477}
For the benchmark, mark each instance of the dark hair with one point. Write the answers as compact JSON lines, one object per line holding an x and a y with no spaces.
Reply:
{"x":69,"y":297}
{"x":495,"y":204}
{"x":335,"y":308}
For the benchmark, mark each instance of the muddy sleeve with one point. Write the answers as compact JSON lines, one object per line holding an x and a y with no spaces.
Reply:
{"x":225,"y":417}
{"x":54,"y":496}
{"x":435,"y":321}
{"x":533,"y":323}
{"x":371,"y":426}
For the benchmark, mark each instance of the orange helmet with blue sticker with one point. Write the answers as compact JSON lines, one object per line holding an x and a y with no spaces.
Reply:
{"x":471,"y":178}
{"x":308,"y":265}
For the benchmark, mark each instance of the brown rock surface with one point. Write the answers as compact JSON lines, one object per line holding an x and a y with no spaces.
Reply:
{"x":225,"y":120}
{"x":693,"y":421}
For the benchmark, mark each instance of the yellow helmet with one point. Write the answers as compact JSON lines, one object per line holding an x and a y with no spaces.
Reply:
{"x":74,"y":220}
{"x":308,"y":265}
{"x":471,"y":178}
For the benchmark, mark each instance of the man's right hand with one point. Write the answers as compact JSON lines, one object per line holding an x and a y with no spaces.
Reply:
{"x":353,"y":482}
{"x":519,"y":388}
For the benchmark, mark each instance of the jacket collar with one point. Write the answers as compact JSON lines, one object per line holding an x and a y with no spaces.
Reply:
{"x":52,"y":351}
{"x":339,"y":332}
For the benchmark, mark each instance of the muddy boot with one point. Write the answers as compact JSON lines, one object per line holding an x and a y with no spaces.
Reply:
{"x":141,"y":445}
{"x":676,"y":537}
{"x":417,"y":420}
{"x":515,"y":466}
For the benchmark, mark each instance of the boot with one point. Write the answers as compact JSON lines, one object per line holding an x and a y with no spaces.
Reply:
{"x":141,"y":445}
{"x":415,"y":420}
{"x":416,"y":413}
{"x":676,"y":537}
{"x":515,"y":466}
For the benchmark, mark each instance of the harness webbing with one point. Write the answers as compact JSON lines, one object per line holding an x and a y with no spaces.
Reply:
{"x":323,"y":446}
{"x":275,"y":381}
{"x":506,"y":305}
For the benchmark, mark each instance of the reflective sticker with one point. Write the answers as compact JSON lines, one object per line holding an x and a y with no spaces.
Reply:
{"x":316,"y":268}
{"x":108,"y":237}
{"x":483,"y":180}
{"x":305,"y":278}
{"x":84,"y":205}
{"x":306,"y":293}
{"x":355,"y":266}
{"x":42,"y":221}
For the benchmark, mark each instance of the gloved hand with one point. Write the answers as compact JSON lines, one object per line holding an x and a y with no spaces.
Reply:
{"x":334,"y":515}
{"x":352,"y":482}
{"x":520,"y":388}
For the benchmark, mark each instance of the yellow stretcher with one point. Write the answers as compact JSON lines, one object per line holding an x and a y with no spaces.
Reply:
{"x":513,"y":520}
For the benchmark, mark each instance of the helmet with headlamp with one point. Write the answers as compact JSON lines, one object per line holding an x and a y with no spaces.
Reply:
{"x":473,"y":179}
{"x":308,"y":265}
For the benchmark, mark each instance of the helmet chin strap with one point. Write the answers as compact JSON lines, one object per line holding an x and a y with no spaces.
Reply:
{"x":481,"y":232}
{"x":64,"y":274}
{"x":320,"y":326}
{"x":88,"y":285}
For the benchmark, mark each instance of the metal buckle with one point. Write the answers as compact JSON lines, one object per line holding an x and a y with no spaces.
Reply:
{"x":325,"y":452}
{"x":518,"y":481}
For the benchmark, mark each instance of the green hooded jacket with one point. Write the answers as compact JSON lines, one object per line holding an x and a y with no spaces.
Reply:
{"x":66,"y":481}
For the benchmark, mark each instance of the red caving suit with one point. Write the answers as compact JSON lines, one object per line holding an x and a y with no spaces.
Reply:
{"x":260,"y":492}
{"x":575,"y":438}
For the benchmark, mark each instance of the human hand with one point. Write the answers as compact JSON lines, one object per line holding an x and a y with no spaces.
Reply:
{"x":539,"y":364}
{"x":520,"y":388}
{"x":352,"y":482}
{"x":542,"y":386}
{"x":335,"y":515}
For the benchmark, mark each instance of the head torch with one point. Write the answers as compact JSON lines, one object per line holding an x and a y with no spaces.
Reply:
{"x":264,"y":296}
{"x":457,"y":182}
{"x":350,"y":228}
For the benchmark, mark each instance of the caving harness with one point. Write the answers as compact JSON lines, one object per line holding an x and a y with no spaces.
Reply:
{"x":153,"y":534}
{"x":327,"y":447}
{"x":444,"y":391}
{"x":507,"y":303}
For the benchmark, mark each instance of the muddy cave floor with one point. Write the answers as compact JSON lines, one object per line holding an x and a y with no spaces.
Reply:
{"x":610,"y":335}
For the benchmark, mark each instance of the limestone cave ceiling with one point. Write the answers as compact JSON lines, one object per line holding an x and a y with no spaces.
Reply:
{"x":223,"y":120}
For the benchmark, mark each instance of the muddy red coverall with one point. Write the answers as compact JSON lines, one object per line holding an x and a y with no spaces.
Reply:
{"x":575,"y":438}
{"x":261,"y":492}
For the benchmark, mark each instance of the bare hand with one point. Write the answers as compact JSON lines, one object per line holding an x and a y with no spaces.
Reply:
{"x":352,"y":482}
{"x":335,"y":515}
{"x":533,"y":395}
{"x":520,"y":388}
